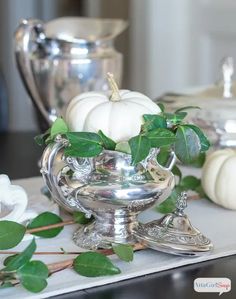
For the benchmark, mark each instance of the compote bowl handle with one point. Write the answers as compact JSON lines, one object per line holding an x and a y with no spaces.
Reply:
{"x":53,"y":167}
{"x":171,"y":161}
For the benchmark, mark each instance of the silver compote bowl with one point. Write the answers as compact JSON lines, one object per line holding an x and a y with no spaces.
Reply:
{"x":108,"y":187}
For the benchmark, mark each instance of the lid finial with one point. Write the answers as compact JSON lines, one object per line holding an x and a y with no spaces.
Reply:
{"x":181,"y":203}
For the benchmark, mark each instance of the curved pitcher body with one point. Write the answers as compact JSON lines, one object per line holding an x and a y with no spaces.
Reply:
{"x":65,"y":57}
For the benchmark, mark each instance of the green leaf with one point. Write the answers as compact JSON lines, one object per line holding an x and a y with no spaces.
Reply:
{"x":169,"y":205}
{"x":58,"y":127}
{"x":199,"y":162}
{"x":9,"y":258}
{"x":19,"y":260}
{"x":83,"y":144}
{"x":153,"y":121}
{"x":44,"y":219}
{"x":176,"y":171}
{"x":161,"y":137}
{"x":107,"y":143}
{"x":161,"y":106}
{"x":93,"y":264}
{"x":124,"y":251}
{"x":163,"y":155}
{"x":176,"y":118}
{"x":40,"y":139}
{"x":190,"y":182}
{"x":11,"y":233}
{"x":5,"y":285}
{"x":33,"y":276}
{"x":186,"y":108}
{"x":49,"y":140}
{"x":205,"y":143}
{"x":187,"y":146}
{"x":200,"y":191}
{"x":123,"y":147}
{"x":80,"y":218}
{"x":140,"y":147}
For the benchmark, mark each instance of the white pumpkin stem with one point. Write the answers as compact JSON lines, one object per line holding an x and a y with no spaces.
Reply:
{"x":115,"y":95}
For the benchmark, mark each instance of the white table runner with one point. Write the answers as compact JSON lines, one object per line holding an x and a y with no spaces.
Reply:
{"x":215,"y":222}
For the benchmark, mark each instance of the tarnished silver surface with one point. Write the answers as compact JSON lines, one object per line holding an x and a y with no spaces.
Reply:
{"x":107,"y":186}
{"x":64,"y":57}
{"x":174,"y":233}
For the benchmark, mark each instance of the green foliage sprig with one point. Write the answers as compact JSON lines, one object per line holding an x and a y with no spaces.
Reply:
{"x":187,"y":183}
{"x":19,"y":268}
{"x":164,"y":130}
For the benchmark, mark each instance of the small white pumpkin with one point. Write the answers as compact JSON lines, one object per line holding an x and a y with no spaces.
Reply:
{"x":219,"y":177}
{"x":117,"y":113}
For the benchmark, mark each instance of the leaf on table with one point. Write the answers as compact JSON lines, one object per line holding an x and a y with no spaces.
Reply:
{"x":11,"y":233}
{"x":107,"y":142}
{"x":19,"y":260}
{"x":45,"y":219}
{"x":58,"y":127}
{"x":124,"y":251}
{"x":160,"y":137}
{"x":93,"y":264}
{"x":83,"y":144}
{"x":33,"y":276}
{"x":79,"y":217}
{"x":9,"y":258}
{"x":187,"y":145}
{"x":140,"y":147}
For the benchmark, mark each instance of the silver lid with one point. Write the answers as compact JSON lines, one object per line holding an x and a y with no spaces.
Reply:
{"x":174,"y":233}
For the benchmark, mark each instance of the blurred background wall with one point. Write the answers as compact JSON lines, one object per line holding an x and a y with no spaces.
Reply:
{"x":169,"y":45}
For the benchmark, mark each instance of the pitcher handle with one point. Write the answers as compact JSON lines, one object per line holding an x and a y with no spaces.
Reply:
{"x":30,"y":33}
{"x":53,"y":163}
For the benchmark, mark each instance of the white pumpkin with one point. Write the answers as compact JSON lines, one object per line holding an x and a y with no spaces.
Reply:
{"x":118,"y":113}
{"x":219,"y":177}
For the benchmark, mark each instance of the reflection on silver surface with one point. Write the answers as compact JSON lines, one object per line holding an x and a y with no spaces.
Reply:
{"x":107,"y":186}
{"x":64,"y":57}
{"x":174,"y":233}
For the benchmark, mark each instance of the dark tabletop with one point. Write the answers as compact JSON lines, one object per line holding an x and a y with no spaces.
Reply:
{"x":19,"y":156}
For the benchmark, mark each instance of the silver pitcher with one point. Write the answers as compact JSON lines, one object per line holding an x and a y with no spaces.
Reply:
{"x":108,"y":187}
{"x":64,"y":57}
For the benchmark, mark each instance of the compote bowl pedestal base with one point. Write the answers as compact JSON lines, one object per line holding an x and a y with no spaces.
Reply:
{"x":107,"y":228}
